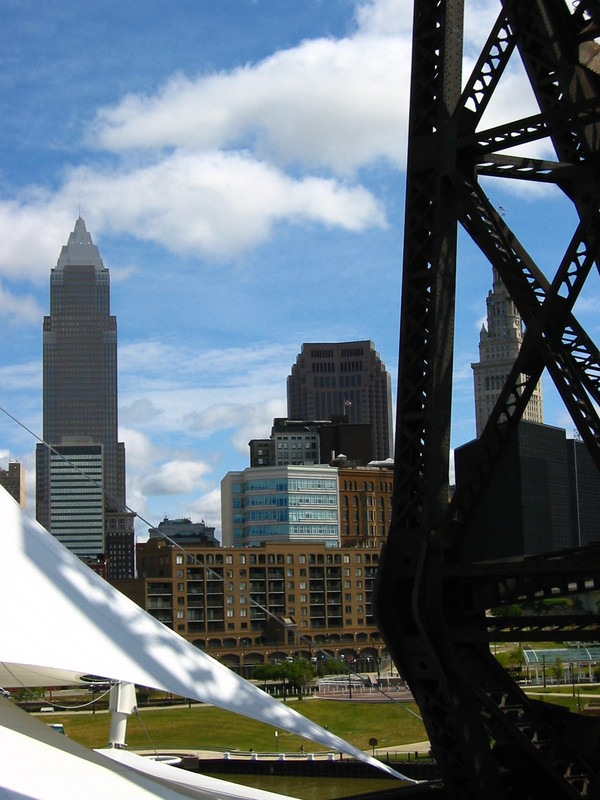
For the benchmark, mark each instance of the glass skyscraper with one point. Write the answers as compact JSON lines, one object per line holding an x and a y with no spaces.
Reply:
{"x":80,"y":392}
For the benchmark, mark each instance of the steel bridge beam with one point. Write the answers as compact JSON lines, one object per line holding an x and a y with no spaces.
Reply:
{"x":488,"y":738}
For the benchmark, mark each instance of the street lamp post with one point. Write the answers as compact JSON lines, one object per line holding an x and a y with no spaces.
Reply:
{"x":544,"y":670}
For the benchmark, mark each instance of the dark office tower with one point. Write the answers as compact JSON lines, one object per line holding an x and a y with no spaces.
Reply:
{"x":543,"y":496}
{"x":343,"y":379}
{"x":80,"y":403}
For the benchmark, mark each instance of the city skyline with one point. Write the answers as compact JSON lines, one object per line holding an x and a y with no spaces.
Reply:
{"x":242,"y":170}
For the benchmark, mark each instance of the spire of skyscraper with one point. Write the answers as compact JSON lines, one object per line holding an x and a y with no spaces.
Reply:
{"x":499,"y":343}
{"x":79,"y":248}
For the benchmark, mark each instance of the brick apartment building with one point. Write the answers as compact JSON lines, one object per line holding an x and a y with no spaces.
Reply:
{"x":255,"y":605}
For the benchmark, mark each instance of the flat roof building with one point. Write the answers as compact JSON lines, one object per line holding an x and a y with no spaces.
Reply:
{"x":254,"y":605}
{"x":306,"y":442}
{"x":13,"y":480}
{"x":366,"y":504}
{"x":77,"y":507}
{"x":347,"y":380}
{"x":185,"y":532}
{"x":280,"y":504}
{"x":544,"y":496}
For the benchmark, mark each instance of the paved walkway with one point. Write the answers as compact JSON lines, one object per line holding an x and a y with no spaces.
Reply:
{"x":422,"y":748}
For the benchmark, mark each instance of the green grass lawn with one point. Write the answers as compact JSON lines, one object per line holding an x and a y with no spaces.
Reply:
{"x":206,"y":727}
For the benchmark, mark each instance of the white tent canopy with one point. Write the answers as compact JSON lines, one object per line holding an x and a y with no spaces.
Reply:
{"x":60,"y":621}
{"x":40,"y":764}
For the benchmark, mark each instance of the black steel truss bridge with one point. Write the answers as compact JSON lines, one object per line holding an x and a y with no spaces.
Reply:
{"x":489,"y":739}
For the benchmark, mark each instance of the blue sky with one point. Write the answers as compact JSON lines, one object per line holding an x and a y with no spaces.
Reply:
{"x":241,"y":166}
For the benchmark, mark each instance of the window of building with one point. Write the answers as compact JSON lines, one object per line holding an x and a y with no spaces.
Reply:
{"x":179,"y":559}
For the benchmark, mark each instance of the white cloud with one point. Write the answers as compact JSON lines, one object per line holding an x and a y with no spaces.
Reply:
{"x":217,"y":204}
{"x":212,"y":205}
{"x":141,"y":452}
{"x":200,"y":163}
{"x":19,"y":310}
{"x":337,"y":104}
{"x":208,"y":508}
{"x":31,"y":230}
{"x":26,"y":376}
{"x":139,"y":411}
{"x":248,"y":420}
{"x":177,"y":477}
{"x":385,"y":17}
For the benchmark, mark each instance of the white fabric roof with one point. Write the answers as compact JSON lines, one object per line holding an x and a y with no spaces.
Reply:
{"x":37,"y":763}
{"x":61,"y":621}
{"x":211,"y":788}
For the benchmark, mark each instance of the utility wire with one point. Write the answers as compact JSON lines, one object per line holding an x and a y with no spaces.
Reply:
{"x":311,"y":646}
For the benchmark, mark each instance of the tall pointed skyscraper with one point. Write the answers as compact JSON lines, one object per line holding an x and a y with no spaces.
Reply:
{"x":80,"y":411}
{"x":499,"y":344}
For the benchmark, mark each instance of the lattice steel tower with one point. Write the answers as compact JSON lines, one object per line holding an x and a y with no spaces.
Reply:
{"x":489,"y":738}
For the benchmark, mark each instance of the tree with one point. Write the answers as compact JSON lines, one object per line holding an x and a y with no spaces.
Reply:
{"x":558,"y":670}
{"x":298,"y":674}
